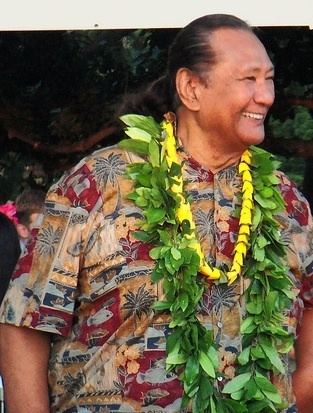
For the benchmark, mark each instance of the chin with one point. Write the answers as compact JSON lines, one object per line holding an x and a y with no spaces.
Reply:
{"x":256,"y":139}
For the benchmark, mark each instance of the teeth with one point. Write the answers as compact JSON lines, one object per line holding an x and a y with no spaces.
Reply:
{"x":257,"y":116}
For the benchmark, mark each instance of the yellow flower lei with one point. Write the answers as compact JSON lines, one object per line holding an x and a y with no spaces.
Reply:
{"x":183,"y":212}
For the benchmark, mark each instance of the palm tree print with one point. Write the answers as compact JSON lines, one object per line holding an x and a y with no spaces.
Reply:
{"x":47,"y":240}
{"x":221,"y":296}
{"x":215,"y":300}
{"x":138,"y":303}
{"x":107,"y":170}
{"x":205,"y":223}
{"x":74,"y":384}
{"x":228,"y":174}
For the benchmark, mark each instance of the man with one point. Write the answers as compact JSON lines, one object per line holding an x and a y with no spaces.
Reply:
{"x":90,"y":289}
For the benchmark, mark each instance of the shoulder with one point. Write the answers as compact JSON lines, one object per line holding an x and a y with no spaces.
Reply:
{"x":297,"y":207}
{"x":84,"y":184}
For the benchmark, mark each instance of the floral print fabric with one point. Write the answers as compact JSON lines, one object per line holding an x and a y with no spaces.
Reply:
{"x":89,"y":285}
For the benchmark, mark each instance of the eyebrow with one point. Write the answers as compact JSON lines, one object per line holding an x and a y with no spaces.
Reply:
{"x":271,"y":69}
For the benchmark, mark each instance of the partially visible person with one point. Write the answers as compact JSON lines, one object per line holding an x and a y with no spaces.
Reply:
{"x":29,"y":211}
{"x":9,"y":251}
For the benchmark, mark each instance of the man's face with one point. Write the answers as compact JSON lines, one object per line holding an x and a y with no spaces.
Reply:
{"x":239,"y":90}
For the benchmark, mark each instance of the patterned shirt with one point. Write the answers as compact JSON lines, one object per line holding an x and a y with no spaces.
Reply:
{"x":90,"y":285}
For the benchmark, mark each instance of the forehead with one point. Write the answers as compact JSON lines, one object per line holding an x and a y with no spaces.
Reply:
{"x":239,"y":48}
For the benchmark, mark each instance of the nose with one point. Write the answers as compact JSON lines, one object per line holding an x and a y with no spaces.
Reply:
{"x":265,"y":93}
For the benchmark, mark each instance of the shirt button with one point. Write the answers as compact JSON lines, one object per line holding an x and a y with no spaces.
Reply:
{"x":219,"y":324}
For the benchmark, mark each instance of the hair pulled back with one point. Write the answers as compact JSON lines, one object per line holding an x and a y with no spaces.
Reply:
{"x":190,"y":49}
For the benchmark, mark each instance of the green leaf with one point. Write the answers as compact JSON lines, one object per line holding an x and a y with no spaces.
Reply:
{"x":272,"y":354}
{"x":266,"y":192}
{"x":154,"y":153}
{"x":142,"y":236}
{"x":257,"y":406}
{"x":206,"y":364}
{"x":248,"y":326}
{"x":244,"y":356}
{"x":232,"y":406}
{"x":237,"y":395}
{"x":192,"y":369}
{"x":264,"y":202}
{"x":264,"y":384}
{"x":274,"y":397}
{"x":161,"y":305}
{"x":146,"y":123}
{"x":250,"y":389}
{"x":176,"y":358}
{"x":256,"y":218}
{"x":183,"y":300}
{"x":155,"y":253}
{"x":154,"y":215}
{"x":132,"y":145}
{"x":255,"y":306}
{"x":237,"y":383}
{"x":138,"y":134}
{"x":175,"y":253}
{"x":270,"y":303}
{"x":258,"y":253}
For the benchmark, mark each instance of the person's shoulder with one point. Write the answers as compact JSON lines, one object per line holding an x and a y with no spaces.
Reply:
{"x":296,"y":204}
{"x":85,"y":182}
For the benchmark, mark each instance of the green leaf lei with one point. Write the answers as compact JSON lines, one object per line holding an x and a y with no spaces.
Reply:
{"x":191,"y":350}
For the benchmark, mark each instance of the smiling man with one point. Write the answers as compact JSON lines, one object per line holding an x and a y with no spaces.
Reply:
{"x":198,"y":310}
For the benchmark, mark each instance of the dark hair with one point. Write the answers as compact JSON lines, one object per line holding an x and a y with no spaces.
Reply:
{"x":190,"y":49}
{"x":28,"y":202}
{"x":9,"y":252}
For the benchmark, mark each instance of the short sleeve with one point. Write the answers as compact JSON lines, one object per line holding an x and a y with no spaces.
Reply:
{"x":44,"y":287}
{"x":298,"y":235}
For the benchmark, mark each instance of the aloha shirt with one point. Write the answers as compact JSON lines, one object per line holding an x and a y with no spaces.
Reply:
{"x":89,"y":286}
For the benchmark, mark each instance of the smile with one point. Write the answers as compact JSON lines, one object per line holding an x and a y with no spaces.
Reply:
{"x":258,"y":116}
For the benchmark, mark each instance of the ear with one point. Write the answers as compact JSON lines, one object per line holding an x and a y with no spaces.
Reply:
{"x":187,"y":86}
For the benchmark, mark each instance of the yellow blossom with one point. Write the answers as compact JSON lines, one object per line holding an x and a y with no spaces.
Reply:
{"x":213,"y":274}
{"x":246,"y":176}
{"x":177,"y":188}
{"x":245,"y":217}
{"x":246,"y":157}
{"x":132,"y":353}
{"x":247,"y":195}
{"x":243,"y":167}
{"x":232,"y":276}
{"x":244,"y":229}
{"x":247,"y":203}
{"x":241,"y":248}
{"x":132,"y":367}
{"x":184,"y":212}
{"x":236,"y":267}
{"x":120,"y":359}
{"x":238,"y":258}
{"x":243,"y":238}
{"x":247,"y":186}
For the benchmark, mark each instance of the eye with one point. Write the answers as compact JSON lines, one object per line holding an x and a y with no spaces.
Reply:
{"x":251,"y":78}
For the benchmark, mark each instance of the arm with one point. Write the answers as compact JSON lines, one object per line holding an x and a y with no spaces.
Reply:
{"x":24,"y":357}
{"x":303,"y":376}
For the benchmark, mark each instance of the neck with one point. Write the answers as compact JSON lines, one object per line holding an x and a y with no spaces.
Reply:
{"x":205,"y":148}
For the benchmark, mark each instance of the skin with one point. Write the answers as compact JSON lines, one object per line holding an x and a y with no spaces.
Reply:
{"x":217,"y":118}
{"x":303,"y":377}
{"x":25,"y":373}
